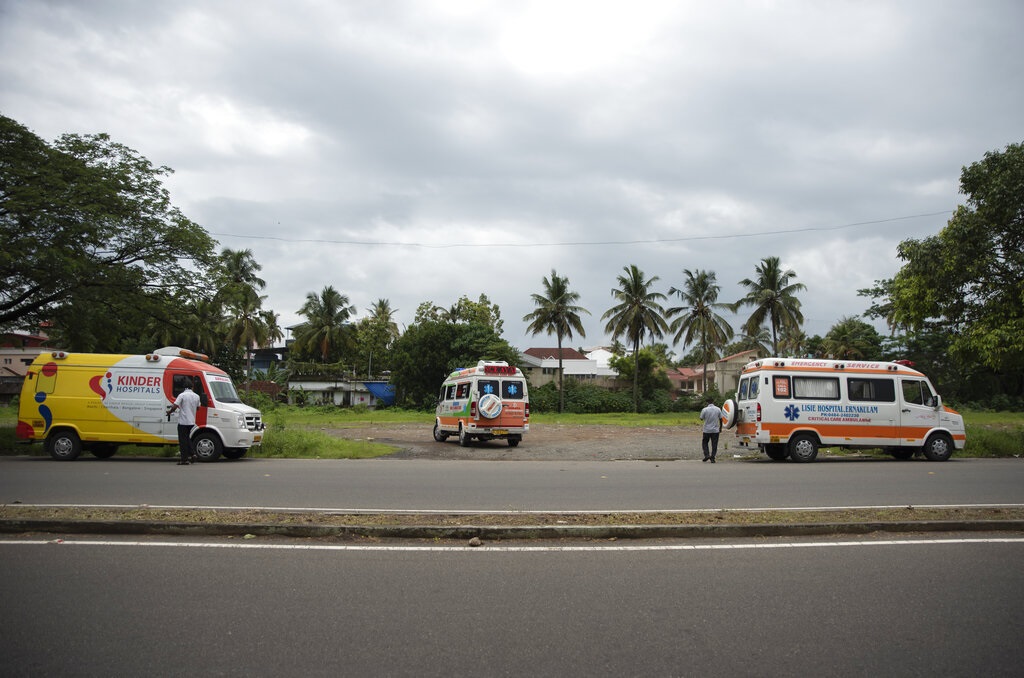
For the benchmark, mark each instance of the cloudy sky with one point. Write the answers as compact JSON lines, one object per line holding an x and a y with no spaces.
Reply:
{"x":421,"y":151}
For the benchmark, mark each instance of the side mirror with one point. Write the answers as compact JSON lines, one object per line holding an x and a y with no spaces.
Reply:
{"x":938,"y":401}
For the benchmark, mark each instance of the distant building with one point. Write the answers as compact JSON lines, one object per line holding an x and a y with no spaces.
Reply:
{"x":17,"y":351}
{"x":540,"y":365}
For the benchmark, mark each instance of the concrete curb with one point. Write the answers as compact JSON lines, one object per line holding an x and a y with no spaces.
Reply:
{"x":497,"y":532}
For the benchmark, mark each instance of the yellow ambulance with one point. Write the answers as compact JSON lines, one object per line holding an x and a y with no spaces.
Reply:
{"x":483,"y":402}
{"x":789,"y":407}
{"x":96,"y":402}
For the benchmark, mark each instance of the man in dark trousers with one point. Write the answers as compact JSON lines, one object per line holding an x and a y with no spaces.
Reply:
{"x":711,"y":415}
{"x":188,"y":403}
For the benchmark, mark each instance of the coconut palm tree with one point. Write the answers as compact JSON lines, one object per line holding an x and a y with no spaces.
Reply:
{"x":637,"y":314}
{"x":773,"y":296}
{"x":326,"y":316}
{"x":383,"y":315}
{"x":698,"y":322}
{"x":248,"y":325}
{"x":558,"y":314}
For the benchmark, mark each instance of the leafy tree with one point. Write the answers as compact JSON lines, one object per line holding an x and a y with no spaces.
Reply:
{"x":852,"y":338}
{"x":968,"y":281}
{"x":89,"y":240}
{"x":697,"y":320}
{"x":325,"y":333}
{"x":558,"y":314}
{"x":646,"y":369}
{"x":773,"y":296}
{"x":636,"y":315}
{"x":482,"y":312}
{"x":430,"y":350}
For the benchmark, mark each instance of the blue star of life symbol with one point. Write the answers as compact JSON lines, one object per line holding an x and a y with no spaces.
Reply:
{"x":513,"y":389}
{"x":488,"y":388}
{"x":792,"y":412}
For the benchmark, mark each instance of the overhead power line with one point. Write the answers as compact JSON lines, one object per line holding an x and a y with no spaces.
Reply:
{"x":582,"y":243}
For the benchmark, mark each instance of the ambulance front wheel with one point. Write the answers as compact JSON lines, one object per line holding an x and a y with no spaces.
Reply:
{"x":803,"y":448}
{"x":939,"y":447}
{"x":64,"y":444}
{"x":235,"y":452}
{"x":207,"y":446}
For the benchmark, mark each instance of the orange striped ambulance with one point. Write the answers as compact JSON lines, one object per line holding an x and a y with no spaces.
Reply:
{"x":483,"y":402}
{"x":789,"y":407}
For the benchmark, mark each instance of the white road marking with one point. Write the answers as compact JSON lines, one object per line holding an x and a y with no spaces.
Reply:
{"x":487,"y":548}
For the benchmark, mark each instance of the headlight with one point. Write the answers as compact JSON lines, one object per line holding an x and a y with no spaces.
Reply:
{"x":241,"y":421}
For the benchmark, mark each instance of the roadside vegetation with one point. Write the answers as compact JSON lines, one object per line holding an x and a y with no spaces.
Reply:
{"x":299,"y":432}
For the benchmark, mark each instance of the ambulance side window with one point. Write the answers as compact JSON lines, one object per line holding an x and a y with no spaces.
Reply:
{"x":450,"y":394}
{"x":462,"y":391}
{"x":780,"y":387}
{"x":816,"y":388}
{"x":753,"y":388}
{"x":180,"y":381}
{"x":917,"y":392}
{"x":512,"y":389}
{"x":742,"y":394}
{"x":485,"y":386}
{"x":871,"y":390}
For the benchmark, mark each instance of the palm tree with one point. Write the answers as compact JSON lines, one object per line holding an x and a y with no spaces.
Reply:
{"x":773,"y":297}
{"x":558,"y":314}
{"x":637,"y":314}
{"x":383,"y":315}
{"x":326,"y":318}
{"x":238,"y":269}
{"x":247,"y":323}
{"x":697,"y":319}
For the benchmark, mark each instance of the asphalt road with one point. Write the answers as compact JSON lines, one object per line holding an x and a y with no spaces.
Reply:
{"x":413,"y":485}
{"x":756,"y":608}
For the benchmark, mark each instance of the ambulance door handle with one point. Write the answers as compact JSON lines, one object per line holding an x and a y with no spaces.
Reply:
{"x":905,"y":409}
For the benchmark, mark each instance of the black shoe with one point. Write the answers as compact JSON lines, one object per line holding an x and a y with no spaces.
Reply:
{"x":712,"y":460}
{"x":705,"y":458}
{"x":184,"y":463}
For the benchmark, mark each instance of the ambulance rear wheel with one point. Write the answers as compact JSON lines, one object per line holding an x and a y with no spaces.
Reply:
{"x":938,"y":448}
{"x":902,"y":452}
{"x":514,"y":442}
{"x":464,"y":438}
{"x":64,"y":445}
{"x":803,"y":448}
{"x":776,"y":452}
{"x":439,"y":435}
{"x":207,"y":446}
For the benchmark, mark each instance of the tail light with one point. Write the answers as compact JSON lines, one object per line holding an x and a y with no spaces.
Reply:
{"x":472,"y":410}
{"x":526,"y":413}
{"x":759,"y":413}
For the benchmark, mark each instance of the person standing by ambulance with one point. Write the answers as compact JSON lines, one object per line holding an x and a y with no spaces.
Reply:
{"x":188,"y":402}
{"x":711,"y":415}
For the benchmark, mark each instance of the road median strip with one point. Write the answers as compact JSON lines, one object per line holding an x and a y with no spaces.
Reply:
{"x":18,"y":518}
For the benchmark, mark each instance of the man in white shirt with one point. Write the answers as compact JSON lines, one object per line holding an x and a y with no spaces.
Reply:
{"x":711,"y":415}
{"x":188,"y":403}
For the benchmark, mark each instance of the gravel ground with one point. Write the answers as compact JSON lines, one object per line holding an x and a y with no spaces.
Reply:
{"x":549,"y":442}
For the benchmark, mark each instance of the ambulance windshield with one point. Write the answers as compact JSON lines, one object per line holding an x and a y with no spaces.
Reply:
{"x":224,"y":391}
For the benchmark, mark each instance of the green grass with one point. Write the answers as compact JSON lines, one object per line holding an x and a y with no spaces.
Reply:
{"x":290,"y":434}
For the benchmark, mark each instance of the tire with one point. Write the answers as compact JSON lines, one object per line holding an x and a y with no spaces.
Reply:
{"x":489,"y":406}
{"x":776,"y":452}
{"x":729,"y":413}
{"x":439,"y":435}
{"x":464,"y":438}
{"x":939,"y":447}
{"x":235,"y":452}
{"x":206,"y":446}
{"x":803,"y":448}
{"x":902,"y":453}
{"x":103,"y":450}
{"x":64,"y":444}
{"x":514,"y":442}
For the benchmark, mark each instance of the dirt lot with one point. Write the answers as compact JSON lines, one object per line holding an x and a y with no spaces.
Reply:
{"x":549,"y":442}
